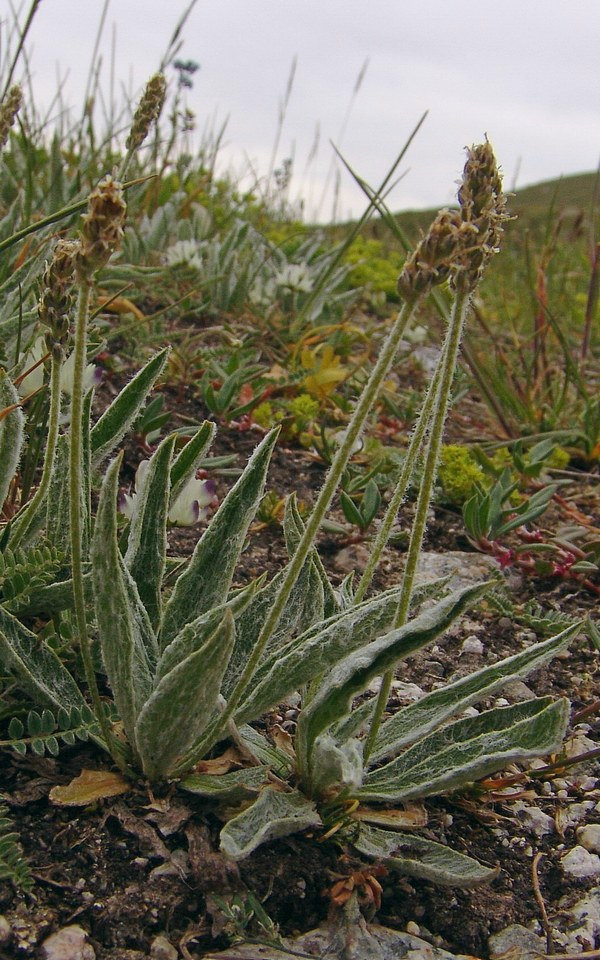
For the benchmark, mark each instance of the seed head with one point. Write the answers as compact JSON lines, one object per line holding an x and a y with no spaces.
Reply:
{"x":431,"y":261}
{"x":56,"y":298}
{"x":148,"y":111}
{"x":482,"y":211}
{"x":102,"y":229}
{"x":8,"y":112}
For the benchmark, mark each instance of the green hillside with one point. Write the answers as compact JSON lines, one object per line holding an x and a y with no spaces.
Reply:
{"x":570,"y":196}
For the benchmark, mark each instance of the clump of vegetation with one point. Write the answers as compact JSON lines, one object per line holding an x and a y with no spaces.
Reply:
{"x":459,"y":473}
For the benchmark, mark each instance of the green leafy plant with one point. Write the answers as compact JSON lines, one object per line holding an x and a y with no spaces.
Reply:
{"x":193,"y":662}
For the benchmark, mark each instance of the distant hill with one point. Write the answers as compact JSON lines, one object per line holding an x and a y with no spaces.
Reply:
{"x":570,"y":197}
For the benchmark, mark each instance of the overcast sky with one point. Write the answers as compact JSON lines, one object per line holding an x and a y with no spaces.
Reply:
{"x":527,"y":72}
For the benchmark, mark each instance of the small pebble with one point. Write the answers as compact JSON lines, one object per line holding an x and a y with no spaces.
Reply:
{"x":68,"y":944}
{"x":413,"y":928}
{"x":5,"y":931}
{"x":589,"y":837}
{"x":161,"y":949}
{"x":579,"y":862}
{"x":472,"y":644}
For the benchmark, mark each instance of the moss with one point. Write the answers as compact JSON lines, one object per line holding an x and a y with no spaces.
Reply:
{"x":373,"y":267}
{"x":458,"y":474}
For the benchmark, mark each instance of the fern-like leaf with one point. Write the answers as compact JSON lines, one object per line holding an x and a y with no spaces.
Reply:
{"x":13,"y":865}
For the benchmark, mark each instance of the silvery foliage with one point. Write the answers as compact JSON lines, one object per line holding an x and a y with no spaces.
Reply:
{"x":172,"y":657}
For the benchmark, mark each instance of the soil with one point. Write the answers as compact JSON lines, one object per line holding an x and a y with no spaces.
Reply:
{"x":143,"y":864}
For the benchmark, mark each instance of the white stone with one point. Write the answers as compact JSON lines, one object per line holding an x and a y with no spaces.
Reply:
{"x":407,"y":691}
{"x":161,"y":949}
{"x":575,"y":812}
{"x":584,"y":930}
{"x":533,"y":819}
{"x":516,"y":941}
{"x":578,"y":862}
{"x":472,"y":645}
{"x":589,"y":837}
{"x":579,"y":744}
{"x":518,"y":691}
{"x":465,"y":568}
{"x":68,"y":944}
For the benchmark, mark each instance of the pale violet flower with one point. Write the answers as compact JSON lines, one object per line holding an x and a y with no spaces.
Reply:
{"x":190,"y":506}
{"x":34,"y":380}
{"x":184,"y":252}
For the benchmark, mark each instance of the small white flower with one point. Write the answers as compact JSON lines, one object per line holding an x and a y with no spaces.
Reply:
{"x":190,"y":506}
{"x":296,"y":276}
{"x":192,"y":503}
{"x":186,"y":252}
{"x":34,"y":380}
{"x":92,"y":375}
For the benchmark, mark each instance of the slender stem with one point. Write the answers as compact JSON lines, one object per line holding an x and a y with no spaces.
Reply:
{"x":450,"y":353}
{"x":24,"y":520}
{"x":363,"y":406}
{"x":407,"y":471}
{"x":75,"y":487}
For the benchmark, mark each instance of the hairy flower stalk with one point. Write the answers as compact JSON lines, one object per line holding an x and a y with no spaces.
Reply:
{"x":408,"y":467}
{"x":344,"y":451}
{"x":53,"y":311}
{"x":101,"y":235}
{"x":8,"y":113}
{"x":147,"y":113}
{"x":477,"y":230}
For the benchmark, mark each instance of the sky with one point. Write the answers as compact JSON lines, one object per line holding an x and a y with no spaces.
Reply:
{"x":524,"y":72}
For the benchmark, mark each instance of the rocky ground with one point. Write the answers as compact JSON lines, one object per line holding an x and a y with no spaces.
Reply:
{"x":140,"y":876}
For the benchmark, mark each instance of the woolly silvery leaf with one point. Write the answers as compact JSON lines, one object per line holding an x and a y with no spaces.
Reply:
{"x":303,"y":607}
{"x":266,"y":752}
{"x":183,"y":703}
{"x":36,"y":668}
{"x":336,"y":765}
{"x":349,"y":677}
{"x":207,"y":580}
{"x":11,"y":434}
{"x":469,"y":749}
{"x":273,"y":815}
{"x":123,"y":626}
{"x":316,"y":650}
{"x":418,"y":857}
{"x":147,"y":544}
{"x":116,"y":420}
{"x":191,"y":637}
{"x":420,"y":718}
{"x":230,"y":788}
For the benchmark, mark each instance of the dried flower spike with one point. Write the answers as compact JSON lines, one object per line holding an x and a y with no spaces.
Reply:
{"x":55,"y":301}
{"x":431,"y":261}
{"x":148,"y":111}
{"x":102,"y":229}
{"x":482,"y":210}
{"x":8,"y":112}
